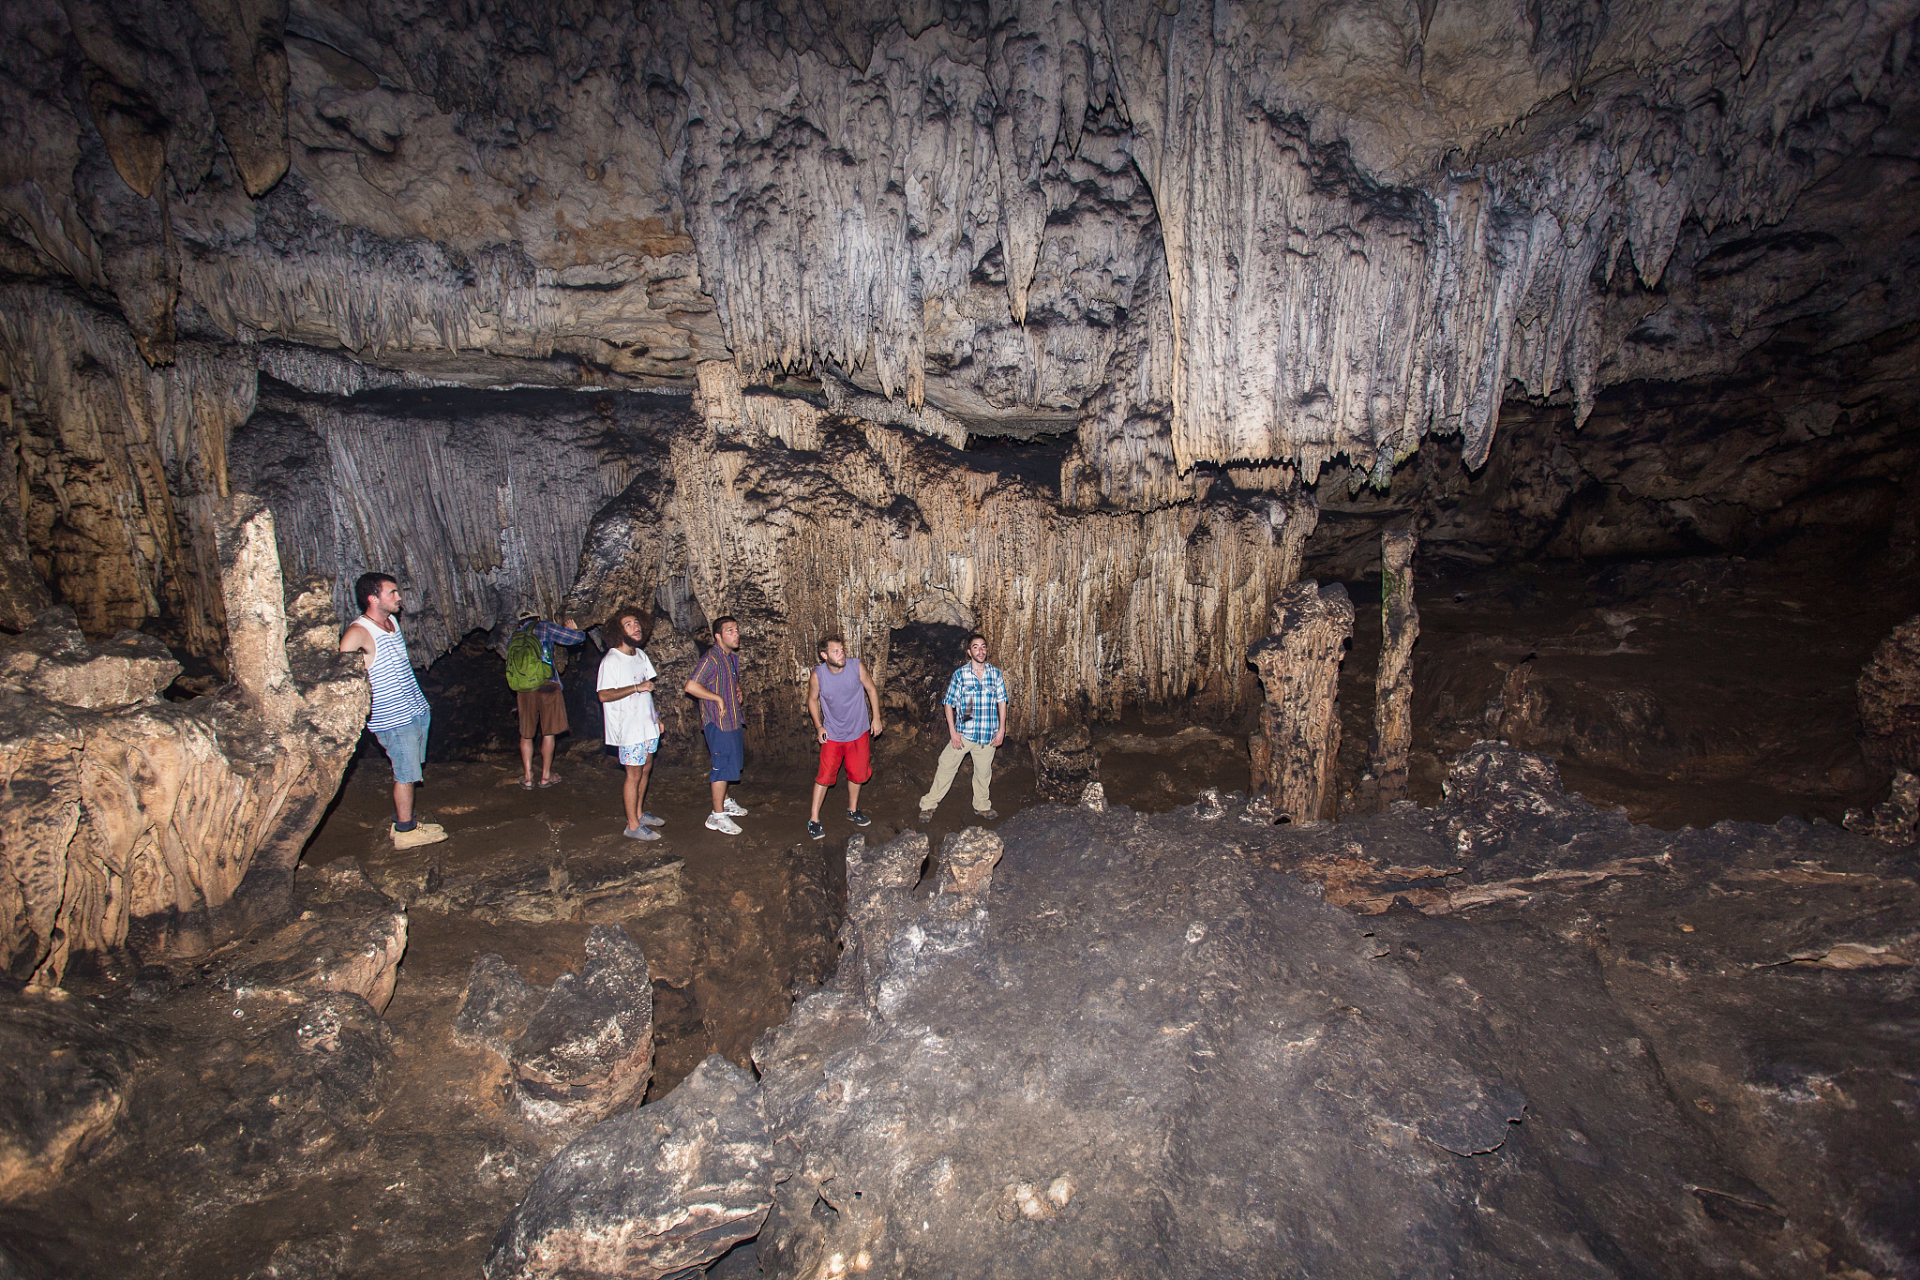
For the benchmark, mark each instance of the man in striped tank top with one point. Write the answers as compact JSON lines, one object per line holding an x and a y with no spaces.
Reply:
{"x":397,"y":713}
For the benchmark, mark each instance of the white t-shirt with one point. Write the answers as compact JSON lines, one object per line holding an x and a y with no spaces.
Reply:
{"x":630,"y":720}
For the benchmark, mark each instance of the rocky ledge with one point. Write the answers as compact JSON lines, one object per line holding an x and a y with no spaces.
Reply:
{"x":1535,"y":1040}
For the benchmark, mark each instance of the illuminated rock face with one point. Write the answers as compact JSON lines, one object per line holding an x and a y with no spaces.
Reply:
{"x":129,"y":812}
{"x":1217,"y":244}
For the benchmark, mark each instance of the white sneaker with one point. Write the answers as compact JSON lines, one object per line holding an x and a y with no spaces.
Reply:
{"x":732,"y":808}
{"x":721,"y":822}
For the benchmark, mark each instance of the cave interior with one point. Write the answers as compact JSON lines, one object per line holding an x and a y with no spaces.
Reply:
{"x":1450,"y":473}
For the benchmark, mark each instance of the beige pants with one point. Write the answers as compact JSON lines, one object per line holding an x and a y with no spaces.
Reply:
{"x":950,"y":758}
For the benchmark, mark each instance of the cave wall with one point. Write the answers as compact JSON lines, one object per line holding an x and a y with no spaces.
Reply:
{"x":478,"y":504}
{"x":1222,"y":243}
{"x":802,"y":522}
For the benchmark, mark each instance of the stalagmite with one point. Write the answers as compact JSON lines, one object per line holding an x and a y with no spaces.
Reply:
{"x":1300,"y":666}
{"x":1393,"y":684}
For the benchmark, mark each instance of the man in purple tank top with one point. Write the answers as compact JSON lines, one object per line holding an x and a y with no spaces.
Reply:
{"x":839,"y":693}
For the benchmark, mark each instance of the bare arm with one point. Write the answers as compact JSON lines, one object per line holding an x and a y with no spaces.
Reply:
{"x":356,"y":640}
{"x":813,"y":702}
{"x":1000,"y":734}
{"x":700,"y":691}
{"x":873,"y":700}
{"x":953,"y":734}
{"x":625,"y":691}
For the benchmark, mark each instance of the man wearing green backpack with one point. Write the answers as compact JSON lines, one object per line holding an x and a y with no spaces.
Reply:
{"x":532,"y":676}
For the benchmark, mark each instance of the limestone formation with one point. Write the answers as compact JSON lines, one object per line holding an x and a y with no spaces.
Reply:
{"x":1155,"y":1052}
{"x":1896,"y":819}
{"x":348,"y":937}
{"x":1393,"y":683}
{"x":67,"y":1070}
{"x":1299,"y":725}
{"x":1065,"y":764}
{"x":440,"y":491}
{"x":1212,"y":252}
{"x":581,"y":1050}
{"x":1889,"y":691}
{"x":154,"y":815}
{"x":651,"y":1194}
{"x":871,"y":526}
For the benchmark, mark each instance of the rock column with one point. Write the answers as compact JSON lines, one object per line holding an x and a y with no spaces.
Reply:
{"x":1393,"y":684}
{"x":1299,"y":665}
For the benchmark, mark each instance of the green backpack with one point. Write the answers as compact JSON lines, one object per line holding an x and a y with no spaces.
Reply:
{"x":527,"y":667}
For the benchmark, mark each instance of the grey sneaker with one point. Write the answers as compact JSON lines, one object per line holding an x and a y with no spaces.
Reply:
{"x":721,"y":822}
{"x":652,"y":820}
{"x":858,"y":818}
{"x":641,"y":833}
{"x":986,"y":815}
{"x":732,"y":808}
{"x":815,"y":831}
{"x":926,"y":816}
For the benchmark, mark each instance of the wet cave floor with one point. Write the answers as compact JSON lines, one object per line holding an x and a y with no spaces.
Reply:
{"x":1687,"y":694}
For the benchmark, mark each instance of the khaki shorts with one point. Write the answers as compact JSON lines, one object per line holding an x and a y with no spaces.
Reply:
{"x":543,"y":712}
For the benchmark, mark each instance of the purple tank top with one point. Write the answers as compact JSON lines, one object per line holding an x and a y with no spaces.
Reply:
{"x":843,"y":702}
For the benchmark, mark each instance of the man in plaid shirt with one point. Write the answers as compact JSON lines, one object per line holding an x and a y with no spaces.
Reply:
{"x":976,"y":704}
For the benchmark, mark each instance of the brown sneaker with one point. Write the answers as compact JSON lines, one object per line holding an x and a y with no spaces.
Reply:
{"x":424,"y":833}
{"x":986,"y":815}
{"x":926,"y":816}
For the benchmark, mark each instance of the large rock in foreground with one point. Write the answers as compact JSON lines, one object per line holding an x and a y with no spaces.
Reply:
{"x":1134,"y":1047}
{"x":126,"y":813}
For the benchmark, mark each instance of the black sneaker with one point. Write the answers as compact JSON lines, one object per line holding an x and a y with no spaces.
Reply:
{"x":858,"y":818}
{"x":816,"y":832}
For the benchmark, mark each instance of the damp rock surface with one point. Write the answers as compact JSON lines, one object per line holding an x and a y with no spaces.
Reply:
{"x":1108,"y":1044}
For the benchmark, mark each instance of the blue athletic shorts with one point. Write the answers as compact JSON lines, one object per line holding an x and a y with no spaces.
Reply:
{"x":407,"y":746}
{"x":639,"y":752}
{"x":728,"y":747}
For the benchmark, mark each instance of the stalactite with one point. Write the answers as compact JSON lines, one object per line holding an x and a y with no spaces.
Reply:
{"x":1087,"y":613}
{"x":1393,"y":682}
{"x":478,"y":510}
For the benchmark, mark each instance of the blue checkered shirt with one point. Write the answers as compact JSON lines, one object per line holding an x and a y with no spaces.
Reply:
{"x":976,"y":702}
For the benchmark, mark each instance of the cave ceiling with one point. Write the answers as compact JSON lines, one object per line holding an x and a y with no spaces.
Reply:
{"x":1266,"y":235}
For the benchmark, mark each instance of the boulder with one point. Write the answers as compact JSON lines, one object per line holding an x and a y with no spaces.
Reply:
{"x":65,"y":1073}
{"x":349,"y":937}
{"x":579,"y":1051}
{"x":1064,"y":763}
{"x":1896,"y":819}
{"x":1889,"y":692}
{"x":655,"y":1193}
{"x":53,"y":660}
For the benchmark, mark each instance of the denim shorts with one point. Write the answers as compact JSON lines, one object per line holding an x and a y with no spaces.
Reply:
{"x":639,"y":753}
{"x":406,"y":746}
{"x":728,"y":748}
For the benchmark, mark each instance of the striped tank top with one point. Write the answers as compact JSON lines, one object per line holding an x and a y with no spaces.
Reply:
{"x":395,"y":696}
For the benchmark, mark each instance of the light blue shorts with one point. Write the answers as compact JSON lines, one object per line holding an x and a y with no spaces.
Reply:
{"x":406,"y":746}
{"x":639,"y":753}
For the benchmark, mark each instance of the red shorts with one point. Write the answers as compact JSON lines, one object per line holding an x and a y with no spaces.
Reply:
{"x":857,"y":756}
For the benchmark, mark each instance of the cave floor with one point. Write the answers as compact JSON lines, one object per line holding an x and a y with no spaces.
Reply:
{"x":1699,"y":696}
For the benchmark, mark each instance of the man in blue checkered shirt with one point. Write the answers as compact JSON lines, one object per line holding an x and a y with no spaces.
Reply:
{"x":976,"y":704}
